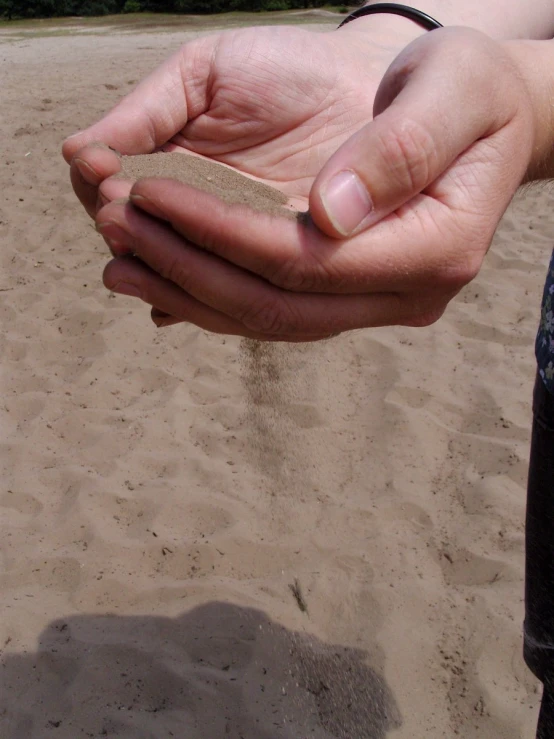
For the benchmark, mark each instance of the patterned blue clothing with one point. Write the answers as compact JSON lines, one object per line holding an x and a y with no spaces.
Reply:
{"x":544,"y":347}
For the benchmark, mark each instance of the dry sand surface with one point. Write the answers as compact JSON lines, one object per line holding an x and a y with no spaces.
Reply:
{"x":171,"y":498}
{"x":209,"y":176}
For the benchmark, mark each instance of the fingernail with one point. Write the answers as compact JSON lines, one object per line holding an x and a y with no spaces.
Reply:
{"x":125,"y":288}
{"x":87,"y":173}
{"x":117,"y":249}
{"x":162,"y":319}
{"x":164,"y":322}
{"x":113,"y":233}
{"x":346,"y":202}
{"x":145,"y":204}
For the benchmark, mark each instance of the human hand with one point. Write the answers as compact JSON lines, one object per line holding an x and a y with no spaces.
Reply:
{"x":274,"y":103}
{"x":450,"y":145}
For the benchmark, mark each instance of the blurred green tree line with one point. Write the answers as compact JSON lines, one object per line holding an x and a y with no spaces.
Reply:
{"x":58,"y":8}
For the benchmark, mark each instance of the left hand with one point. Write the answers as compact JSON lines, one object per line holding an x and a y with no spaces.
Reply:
{"x":440,"y":172}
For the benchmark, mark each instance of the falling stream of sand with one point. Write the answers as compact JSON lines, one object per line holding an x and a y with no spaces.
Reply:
{"x":330,"y":693}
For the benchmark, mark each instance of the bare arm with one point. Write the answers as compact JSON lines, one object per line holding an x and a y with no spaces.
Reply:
{"x":535,"y":60}
{"x":499,"y":19}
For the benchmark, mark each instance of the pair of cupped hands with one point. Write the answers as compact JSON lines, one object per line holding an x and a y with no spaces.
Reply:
{"x":406,"y":157}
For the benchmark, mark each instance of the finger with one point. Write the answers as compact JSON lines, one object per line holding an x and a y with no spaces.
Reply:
{"x":406,"y":250}
{"x":157,"y":108}
{"x":257,"y":305}
{"x":114,"y":188}
{"x":159,"y":316}
{"x":418,"y":131}
{"x":89,"y":167}
{"x":173,"y":306}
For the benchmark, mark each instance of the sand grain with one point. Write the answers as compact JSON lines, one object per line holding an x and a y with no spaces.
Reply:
{"x":209,"y":176}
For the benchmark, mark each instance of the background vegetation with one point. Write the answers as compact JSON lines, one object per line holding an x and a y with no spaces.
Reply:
{"x":11,"y":9}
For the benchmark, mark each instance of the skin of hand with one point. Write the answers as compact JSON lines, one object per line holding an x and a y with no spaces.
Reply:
{"x":418,"y":191}
{"x":273,"y":103}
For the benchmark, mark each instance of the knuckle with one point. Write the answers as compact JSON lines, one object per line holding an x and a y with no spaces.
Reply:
{"x":286,"y":275}
{"x":407,"y":148}
{"x":297,"y":277}
{"x":175,"y":271}
{"x":460,"y":247}
{"x":209,"y":240}
{"x":307,"y":275}
{"x":462,"y":271}
{"x":269,"y":317}
{"x":457,"y":279}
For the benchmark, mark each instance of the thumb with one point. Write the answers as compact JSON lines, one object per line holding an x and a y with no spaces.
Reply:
{"x":433,"y":103}
{"x":157,"y":109}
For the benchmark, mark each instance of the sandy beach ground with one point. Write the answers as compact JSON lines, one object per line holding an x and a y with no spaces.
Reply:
{"x":205,"y":538}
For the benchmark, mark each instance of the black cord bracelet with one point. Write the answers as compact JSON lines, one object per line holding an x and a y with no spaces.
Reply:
{"x":414,"y":15}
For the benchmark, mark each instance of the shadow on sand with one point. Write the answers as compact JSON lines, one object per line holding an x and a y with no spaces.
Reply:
{"x":218,"y":671}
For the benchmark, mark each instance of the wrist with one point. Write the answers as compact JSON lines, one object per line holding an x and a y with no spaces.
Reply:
{"x":534,"y":61}
{"x":389,"y":33}
{"x":511,"y":19}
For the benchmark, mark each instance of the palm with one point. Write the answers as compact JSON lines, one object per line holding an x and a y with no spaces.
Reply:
{"x":276,"y":113}
{"x":275,"y":103}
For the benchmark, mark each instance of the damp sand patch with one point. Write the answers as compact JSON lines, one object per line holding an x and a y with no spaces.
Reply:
{"x":211,"y":177}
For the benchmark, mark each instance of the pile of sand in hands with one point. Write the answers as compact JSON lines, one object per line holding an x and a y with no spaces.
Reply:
{"x":209,"y":176}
